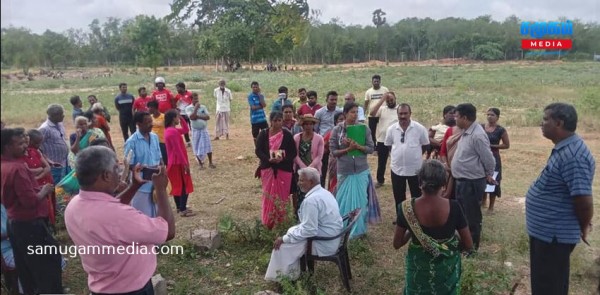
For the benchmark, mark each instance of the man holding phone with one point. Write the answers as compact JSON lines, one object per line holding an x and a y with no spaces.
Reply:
{"x":85,"y":219}
{"x":146,"y":152}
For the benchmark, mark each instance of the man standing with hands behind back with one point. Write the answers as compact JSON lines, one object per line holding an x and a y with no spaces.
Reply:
{"x":559,"y":205}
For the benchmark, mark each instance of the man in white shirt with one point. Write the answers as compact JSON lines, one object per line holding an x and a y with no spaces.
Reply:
{"x":319,"y":215}
{"x":387,"y":116}
{"x":371,"y":96}
{"x":349,"y":97}
{"x":408,"y":140}
{"x":223,"y":96}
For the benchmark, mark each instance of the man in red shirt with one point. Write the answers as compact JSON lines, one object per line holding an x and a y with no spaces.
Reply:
{"x":139,"y":105}
{"x":311,"y":106}
{"x":35,"y":249}
{"x":163,"y":96}
{"x":183,"y":100}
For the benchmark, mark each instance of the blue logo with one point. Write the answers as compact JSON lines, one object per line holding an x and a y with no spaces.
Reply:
{"x":541,"y":29}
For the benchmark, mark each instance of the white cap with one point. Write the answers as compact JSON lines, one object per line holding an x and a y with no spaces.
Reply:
{"x":159,"y":80}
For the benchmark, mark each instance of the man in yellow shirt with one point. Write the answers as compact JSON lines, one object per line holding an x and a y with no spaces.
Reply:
{"x":158,"y":127}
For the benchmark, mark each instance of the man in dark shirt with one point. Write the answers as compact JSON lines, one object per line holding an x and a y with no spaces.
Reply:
{"x":124,"y":104}
{"x":35,"y":249}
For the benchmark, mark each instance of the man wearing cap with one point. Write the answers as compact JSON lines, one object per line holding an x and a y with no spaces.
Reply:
{"x":163,"y":96}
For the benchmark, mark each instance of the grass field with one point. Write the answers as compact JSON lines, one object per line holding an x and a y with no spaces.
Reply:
{"x":520,"y":90}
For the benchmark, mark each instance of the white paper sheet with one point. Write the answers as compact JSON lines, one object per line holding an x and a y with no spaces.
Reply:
{"x":491,"y":188}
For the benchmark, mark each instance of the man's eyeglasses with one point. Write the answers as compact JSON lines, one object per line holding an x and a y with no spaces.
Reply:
{"x":402,"y":137}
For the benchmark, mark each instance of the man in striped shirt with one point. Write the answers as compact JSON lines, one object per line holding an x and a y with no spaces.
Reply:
{"x":559,"y":206}
{"x":55,"y":146}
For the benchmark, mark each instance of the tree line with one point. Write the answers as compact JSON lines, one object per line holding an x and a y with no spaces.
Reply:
{"x":279,"y":32}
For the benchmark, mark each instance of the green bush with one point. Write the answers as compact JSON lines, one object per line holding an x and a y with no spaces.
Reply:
{"x":235,"y":86}
{"x":589,"y":101}
{"x":254,"y":233}
{"x":488,"y":51}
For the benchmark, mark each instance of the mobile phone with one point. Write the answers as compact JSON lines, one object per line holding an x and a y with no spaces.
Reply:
{"x":147,"y":172}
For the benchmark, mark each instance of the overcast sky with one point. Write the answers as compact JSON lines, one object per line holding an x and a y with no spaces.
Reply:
{"x":60,"y":15}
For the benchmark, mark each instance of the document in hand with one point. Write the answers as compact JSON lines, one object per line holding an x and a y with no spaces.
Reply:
{"x":358,"y":133}
{"x":490,"y":188}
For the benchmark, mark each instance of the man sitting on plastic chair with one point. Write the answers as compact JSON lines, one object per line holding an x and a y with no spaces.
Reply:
{"x":319,"y":215}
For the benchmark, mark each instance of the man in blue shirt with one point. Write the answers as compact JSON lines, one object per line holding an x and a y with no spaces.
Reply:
{"x":559,"y":205}
{"x":146,"y":151}
{"x":282,"y":99}
{"x":124,"y":104}
{"x":326,"y":115}
{"x":258,"y":118}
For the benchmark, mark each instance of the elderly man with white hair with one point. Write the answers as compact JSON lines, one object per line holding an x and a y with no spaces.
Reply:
{"x":319,"y":215}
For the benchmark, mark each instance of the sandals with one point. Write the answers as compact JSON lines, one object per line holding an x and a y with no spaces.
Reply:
{"x":187,"y":213}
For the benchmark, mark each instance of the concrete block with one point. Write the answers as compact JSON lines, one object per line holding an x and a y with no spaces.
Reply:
{"x":205,"y":239}
{"x":160,"y":285}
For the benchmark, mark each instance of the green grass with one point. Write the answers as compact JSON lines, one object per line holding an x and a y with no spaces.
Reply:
{"x":520,"y":90}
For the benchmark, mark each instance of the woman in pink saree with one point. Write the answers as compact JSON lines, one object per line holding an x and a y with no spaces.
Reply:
{"x":276,"y":149}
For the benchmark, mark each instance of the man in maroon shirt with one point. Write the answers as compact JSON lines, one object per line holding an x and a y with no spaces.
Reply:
{"x":310,"y":107}
{"x":139,"y":105}
{"x":35,"y":250}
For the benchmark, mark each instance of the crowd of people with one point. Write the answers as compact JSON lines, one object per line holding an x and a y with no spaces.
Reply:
{"x":451,"y":168}
{"x":310,"y":156}
{"x":45,"y":176}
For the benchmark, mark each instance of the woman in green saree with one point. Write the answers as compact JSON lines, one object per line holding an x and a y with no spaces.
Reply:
{"x":81,"y":139}
{"x":433,"y":261}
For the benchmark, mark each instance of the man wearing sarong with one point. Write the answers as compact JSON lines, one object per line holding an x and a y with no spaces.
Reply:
{"x":319,"y":215}
{"x":223,"y":96}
